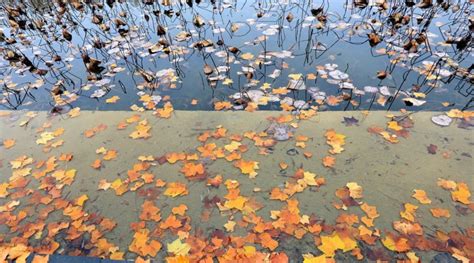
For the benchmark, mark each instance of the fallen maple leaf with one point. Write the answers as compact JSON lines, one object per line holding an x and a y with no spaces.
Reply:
{"x":461,"y":194}
{"x":409,"y":212}
{"x":229,"y":226}
{"x":74,"y":112}
{"x":247,"y":167}
{"x":222,"y":105}
{"x":142,"y":130}
{"x":179,"y":210}
{"x":329,"y":161}
{"x":166,"y":111}
{"x":333,"y":242}
{"x":335,"y":140}
{"x":176,"y":189}
{"x":283,"y":165}
{"x":9,"y":143}
{"x":371,"y":211}
{"x":421,"y":196}
{"x":96,"y":164}
{"x":110,"y":155}
{"x":40,"y":259}
{"x":355,"y":191}
{"x":81,"y":200}
{"x":112,"y":99}
{"x":178,"y":248}
{"x":440,"y":212}
{"x":191,"y":169}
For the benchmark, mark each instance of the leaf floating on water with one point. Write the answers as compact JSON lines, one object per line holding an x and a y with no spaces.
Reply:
{"x":110,"y":155}
{"x":393,"y":125}
{"x":175,"y":189}
{"x":222,"y":105}
{"x":74,"y":112}
{"x":329,"y":161}
{"x":9,"y":143}
{"x":198,"y":21}
{"x":440,"y":212}
{"x":374,"y":39}
{"x":123,"y":43}
{"x":142,"y":130}
{"x":178,"y":248}
{"x":413,"y":102}
{"x":165,"y":112}
{"x":461,"y":194}
{"x":192,"y":170}
{"x":382,"y":74}
{"x":355,"y":190}
{"x":247,"y":167}
{"x":421,"y":196}
{"x":441,"y":120}
{"x":208,"y":69}
{"x":247,"y":56}
{"x":335,"y":140}
{"x":432,"y":149}
{"x":112,"y":99}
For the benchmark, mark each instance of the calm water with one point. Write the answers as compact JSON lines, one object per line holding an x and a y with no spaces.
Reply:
{"x":192,"y":37}
{"x":132,"y":169}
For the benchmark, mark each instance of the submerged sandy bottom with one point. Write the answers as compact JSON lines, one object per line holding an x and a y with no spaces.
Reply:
{"x":388,"y":173}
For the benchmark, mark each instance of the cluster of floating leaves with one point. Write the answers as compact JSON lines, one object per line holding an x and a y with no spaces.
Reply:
{"x":42,"y":219}
{"x":67,"y":52}
{"x":109,"y":43}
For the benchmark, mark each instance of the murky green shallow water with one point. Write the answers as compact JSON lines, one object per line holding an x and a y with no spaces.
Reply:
{"x":388,"y":173}
{"x":295,"y":183}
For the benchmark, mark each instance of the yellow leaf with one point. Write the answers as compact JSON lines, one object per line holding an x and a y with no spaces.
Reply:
{"x":355,"y":190}
{"x":229,"y":226}
{"x":165,"y":112}
{"x":237,"y":203}
{"x":81,"y":200}
{"x":333,"y":242}
{"x":247,"y":56}
{"x":409,"y":212}
{"x":142,"y":130}
{"x":110,"y":155}
{"x":101,"y":150}
{"x":45,"y":138}
{"x":419,"y":95}
{"x":295,"y":76}
{"x":247,"y":167}
{"x":232,"y":146}
{"x":389,"y":243}
{"x":421,"y":196}
{"x":74,"y":112}
{"x":3,"y":190}
{"x":227,"y":82}
{"x":461,"y":194}
{"x":175,"y":189}
{"x":393,"y":125}
{"x":308,"y":258}
{"x":178,"y":248}
{"x":335,"y":140}
{"x":112,"y":99}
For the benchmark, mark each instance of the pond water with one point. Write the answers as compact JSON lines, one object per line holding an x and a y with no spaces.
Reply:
{"x":236,"y":131}
{"x":251,"y":49}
